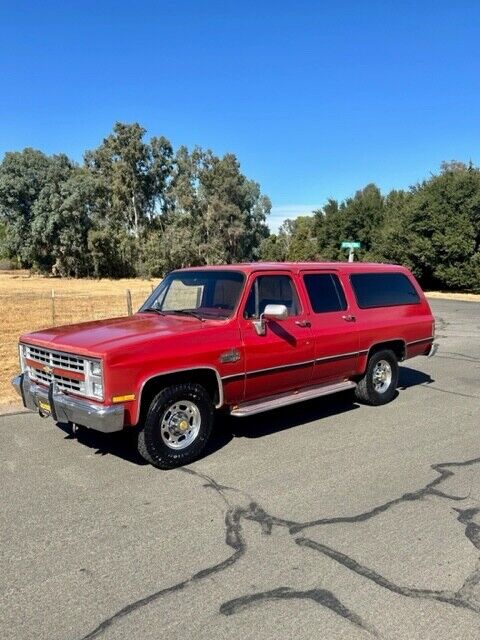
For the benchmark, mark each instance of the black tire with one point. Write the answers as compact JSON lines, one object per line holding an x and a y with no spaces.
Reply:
{"x":151,"y":444}
{"x":365,"y":391}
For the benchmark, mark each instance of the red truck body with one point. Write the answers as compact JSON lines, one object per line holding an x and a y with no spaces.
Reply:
{"x":302,"y":351}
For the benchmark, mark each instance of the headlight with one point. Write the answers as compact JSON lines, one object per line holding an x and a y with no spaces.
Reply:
{"x":97,"y":389}
{"x":96,"y":368}
{"x":94,"y":379}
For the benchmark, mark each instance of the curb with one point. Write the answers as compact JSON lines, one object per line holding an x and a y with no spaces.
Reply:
{"x":457,"y":297}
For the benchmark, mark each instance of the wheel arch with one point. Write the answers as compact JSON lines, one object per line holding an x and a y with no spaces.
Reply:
{"x":207,"y":376}
{"x":397,"y":345}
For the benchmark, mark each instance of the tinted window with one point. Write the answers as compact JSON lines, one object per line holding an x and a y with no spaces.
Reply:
{"x":325,"y":292}
{"x":383,"y":289}
{"x":271,"y":290}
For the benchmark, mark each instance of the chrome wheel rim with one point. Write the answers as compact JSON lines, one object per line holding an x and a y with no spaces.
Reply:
{"x":382,"y":376}
{"x":180,"y":424}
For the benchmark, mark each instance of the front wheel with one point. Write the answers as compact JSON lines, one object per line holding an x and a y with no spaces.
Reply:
{"x":178,"y":426}
{"x":379,"y":382}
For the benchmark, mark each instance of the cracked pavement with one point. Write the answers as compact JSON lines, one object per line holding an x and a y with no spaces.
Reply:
{"x":323,"y":520}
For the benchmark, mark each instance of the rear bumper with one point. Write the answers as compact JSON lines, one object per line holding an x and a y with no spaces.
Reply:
{"x":68,"y":409}
{"x":432,"y":350}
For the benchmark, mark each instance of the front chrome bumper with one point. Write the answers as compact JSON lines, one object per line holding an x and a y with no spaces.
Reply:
{"x":68,"y":409}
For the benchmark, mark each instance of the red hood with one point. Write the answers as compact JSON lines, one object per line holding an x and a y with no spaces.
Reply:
{"x":102,"y":336}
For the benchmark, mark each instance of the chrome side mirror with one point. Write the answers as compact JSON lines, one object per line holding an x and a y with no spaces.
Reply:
{"x":271,"y":312}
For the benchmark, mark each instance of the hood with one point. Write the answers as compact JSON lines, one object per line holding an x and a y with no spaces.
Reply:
{"x":102,"y":336}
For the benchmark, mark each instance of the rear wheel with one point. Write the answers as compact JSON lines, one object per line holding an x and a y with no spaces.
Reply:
{"x":178,"y":426}
{"x":379,"y":383}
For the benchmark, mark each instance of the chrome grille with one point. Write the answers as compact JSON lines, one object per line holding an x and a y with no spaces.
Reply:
{"x":63,"y":383}
{"x":55,"y":358}
{"x":65,"y":361}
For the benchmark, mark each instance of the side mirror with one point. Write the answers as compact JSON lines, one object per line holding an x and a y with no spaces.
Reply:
{"x":271,"y":312}
{"x":275,"y":312}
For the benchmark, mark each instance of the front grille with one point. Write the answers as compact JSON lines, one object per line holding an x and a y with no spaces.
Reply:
{"x":39,"y":358}
{"x":55,"y":359}
{"x":63,"y":383}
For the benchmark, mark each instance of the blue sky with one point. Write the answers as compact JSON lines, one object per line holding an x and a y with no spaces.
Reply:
{"x":316,"y":98}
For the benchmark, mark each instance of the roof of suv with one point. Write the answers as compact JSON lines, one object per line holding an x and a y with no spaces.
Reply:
{"x":249,"y":267}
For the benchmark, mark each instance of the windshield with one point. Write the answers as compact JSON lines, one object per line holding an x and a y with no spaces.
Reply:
{"x":197,"y":293}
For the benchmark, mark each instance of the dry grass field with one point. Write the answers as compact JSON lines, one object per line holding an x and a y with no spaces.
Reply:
{"x":26,"y":304}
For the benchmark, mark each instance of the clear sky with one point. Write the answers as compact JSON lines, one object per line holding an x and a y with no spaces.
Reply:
{"x":316,"y":98}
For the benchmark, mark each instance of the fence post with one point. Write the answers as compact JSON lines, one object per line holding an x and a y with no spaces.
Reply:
{"x":129,"y":302}
{"x":53,"y":307}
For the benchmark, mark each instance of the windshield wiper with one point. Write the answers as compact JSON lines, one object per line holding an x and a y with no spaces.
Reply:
{"x":188,"y":312}
{"x":160,"y":313}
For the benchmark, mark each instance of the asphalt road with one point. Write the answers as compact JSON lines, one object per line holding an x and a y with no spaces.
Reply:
{"x":327,"y":520}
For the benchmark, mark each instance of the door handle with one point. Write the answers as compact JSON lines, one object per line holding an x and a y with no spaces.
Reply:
{"x":303,"y":323}
{"x":349,"y":318}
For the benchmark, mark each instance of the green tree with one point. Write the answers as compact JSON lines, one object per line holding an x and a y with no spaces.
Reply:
{"x":303,"y":243}
{"x":123,"y":163}
{"x":216,"y":215}
{"x":443,"y":227}
{"x":22,"y":176}
{"x":62,"y":220}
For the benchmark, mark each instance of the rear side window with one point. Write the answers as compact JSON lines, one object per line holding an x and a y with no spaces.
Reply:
{"x":383,"y":290}
{"x":325,"y":292}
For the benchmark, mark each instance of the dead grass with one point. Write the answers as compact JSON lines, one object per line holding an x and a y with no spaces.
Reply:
{"x":26,"y":305}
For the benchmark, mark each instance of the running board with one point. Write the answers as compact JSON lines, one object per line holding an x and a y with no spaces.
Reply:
{"x":284,"y":399}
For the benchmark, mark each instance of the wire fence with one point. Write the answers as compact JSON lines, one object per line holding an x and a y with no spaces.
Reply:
{"x":22,"y":312}
{"x":55,"y":308}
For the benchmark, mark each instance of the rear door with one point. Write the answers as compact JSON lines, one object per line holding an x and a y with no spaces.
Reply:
{"x":333,"y":324}
{"x":282,"y":359}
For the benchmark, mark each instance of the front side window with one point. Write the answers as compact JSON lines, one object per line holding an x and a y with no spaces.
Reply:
{"x":325,"y":292}
{"x":271,"y":290}
{"x":383,"y":290}
{"x":202,"y":293}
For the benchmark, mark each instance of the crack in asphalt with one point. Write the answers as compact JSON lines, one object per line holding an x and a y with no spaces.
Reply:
{"x":320,"y":596}
{"x":428,"y":385}
{"x":455,"y":355}
{"x":466,"y":597}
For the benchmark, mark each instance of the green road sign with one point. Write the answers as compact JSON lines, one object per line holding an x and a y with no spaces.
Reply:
{"x":351,"y":245}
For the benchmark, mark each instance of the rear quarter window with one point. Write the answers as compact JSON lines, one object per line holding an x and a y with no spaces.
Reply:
{"x":383,"y":290}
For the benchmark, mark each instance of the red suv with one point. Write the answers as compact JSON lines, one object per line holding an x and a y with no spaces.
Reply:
{"x":246,"y":337}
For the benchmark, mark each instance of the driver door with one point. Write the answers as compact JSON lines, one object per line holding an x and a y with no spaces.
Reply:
{"x":282,"y":359}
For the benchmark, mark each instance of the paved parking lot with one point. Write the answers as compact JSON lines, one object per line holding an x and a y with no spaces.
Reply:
{"x":324,"y":520}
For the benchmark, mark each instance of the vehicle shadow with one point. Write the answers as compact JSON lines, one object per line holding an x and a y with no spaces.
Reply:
{"x":264,"y":424}
{"x":412,"y":377}
{"x":123,"y":444}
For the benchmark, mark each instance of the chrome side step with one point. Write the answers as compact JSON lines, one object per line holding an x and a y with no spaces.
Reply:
{"x":284,"y":399}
